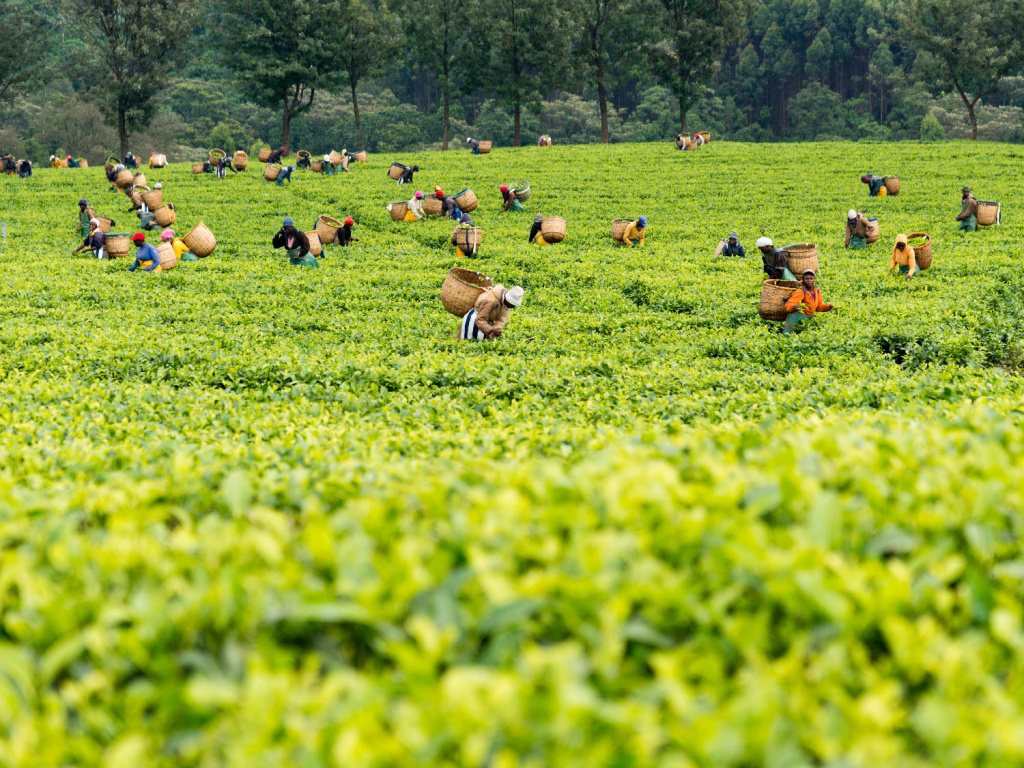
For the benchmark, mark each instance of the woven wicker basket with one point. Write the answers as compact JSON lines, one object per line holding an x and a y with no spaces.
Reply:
{"x":216,"y":155}
{"x":303,"y":153}
{"x":335,"y":157}
{"x":327,"y":227}
{"x":264,"y":155}
{"x":552,"y":229}
{"x":117,"y":244}
{"x":485,"y":147}
{"x":360,"y":157}
{"x":432,"y":205}
{"x":706,"y":135}
{"x":619,"y":227}
{"x":159,"y":161}
{"x":466,"y":200}
{"x":398,"y":210}
{"x":168,"y":258}
{"x":240,"y":160}
{"x":165,"y":215}
{"x":83,"y":163}
{"x":522,"y":190}
{"x":106,"y":223}
{"x":988,"y":213}
{"x":774,"y":294}
{"x":317,"y":166}
{"x":892,"y":185}
{"x":395,"y":171}
{"x":468,"y":238}
{"x":154,"y":198}
{"x":200,"y":240}
{"x":271,"y":172}
{"x":315,"y":246}
{"x":111,"y":162}
{"x":139,"y":180}
{"x":922,"y":253}
{"x":461,"y":288}
{"x":135,"y":195}
{"x":197,"y":167}
{"x":802,"y":256}
{"x":124,"y":178}
{"x":874,"y":232}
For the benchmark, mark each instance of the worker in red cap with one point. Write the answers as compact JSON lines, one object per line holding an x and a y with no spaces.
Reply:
{"x":70,"y":162}
{"x":345,"y":233}
{"x":511,"y":200}
{"x":275,"y":156}
{"x":145,"y":255}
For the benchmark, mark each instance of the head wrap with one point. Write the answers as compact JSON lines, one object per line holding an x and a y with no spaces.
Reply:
{"x":327,"y":158}
{"x":138,"y":237}
{"x":538,"y":218}
{"x":851,"y":214}
{"x":83,"y":202}
{"x":469,"y":139}
{"x":764,"y":242}
{"x":69,"y":157}
{"x":349,"y":220}
{"x":283,"y":149}
{"x":503,"y":188}
{"x":419,"y":195}
{"x":95,"y":221}
{"x":415,"y":167}
{"x":158,"y":185}
{"x":52,"y":158}
{"x":167,"y":234}
{"x":514,"y":296}
{"x":966,"y":190}
{"x":733,"y":236}
{"x":288,"y":222}
{"x":642,"y":221}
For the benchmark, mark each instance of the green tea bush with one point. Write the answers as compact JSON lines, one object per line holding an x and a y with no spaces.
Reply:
{"x":256,"y":515}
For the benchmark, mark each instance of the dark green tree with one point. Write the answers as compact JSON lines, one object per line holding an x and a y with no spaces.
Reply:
{"x":696,"y":32}
{"x":21,"y":34}
{"x":964,"y":44}
{"x":366,"y":42}
{"x":277,"y":52}
{"x":129,"y":45}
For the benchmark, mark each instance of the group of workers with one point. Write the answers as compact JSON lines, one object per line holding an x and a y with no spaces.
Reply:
{"x":21,"y":167}
{"x":296,"y":242}
{"x":684,"y":142}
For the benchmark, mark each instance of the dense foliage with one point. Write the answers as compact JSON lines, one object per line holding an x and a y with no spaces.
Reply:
{"x":257,"y":515}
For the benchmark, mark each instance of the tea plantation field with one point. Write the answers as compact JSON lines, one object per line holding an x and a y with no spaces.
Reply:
{"x":259,"y":515}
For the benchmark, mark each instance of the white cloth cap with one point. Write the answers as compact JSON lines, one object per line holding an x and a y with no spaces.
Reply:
{"x":158,"y":185}
{"x":327,"y":158}
{"x":851,"y":214}
{"x":514,"y":296}
{"x":763,"y":242}
{"x":94,"y":221}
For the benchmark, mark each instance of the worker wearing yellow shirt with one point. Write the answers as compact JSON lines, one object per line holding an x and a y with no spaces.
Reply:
{"x":634,"y":234}
{"x":180,"y":249}
{"x":903,"y":256}
{"x":56,"y":162}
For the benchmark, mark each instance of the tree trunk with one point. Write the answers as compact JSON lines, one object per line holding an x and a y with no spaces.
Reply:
{"x":447,"y":104}
{"x":359,"y":125}
{"x":286,"y":125}
{"x":516,"y":142}
{"x":682,"y":116}
{"x":603,"y":101}
{"x":122,"y":131}
{"x":974,"y":121}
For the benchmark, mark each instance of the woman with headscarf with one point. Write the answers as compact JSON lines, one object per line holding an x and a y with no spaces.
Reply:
{"x":474,"y":145}
{"x":346,"y":158}
{"x":406,"y":177}
{"x":462,"y":246}
{"x":275,"y":156}
{"x":56,"y":162}
{"x":490,"y":314}
{"x":181,"y":250}
{"x":25,"y":169}
{"x":968,"y":216}
{"x":414,"y":208}
{"x":130,"y":161}
{"x":449,"y":207}
{"x":535,"y":236}
{"x":775,"y":260}
{"x":145,"y":255}
{"x":876,"y":185}
{"x":94,"y":241}
{"x":327,"y":166}
{"x":10,"y":167}
{"x":70,"y":162}
{"x":803,"y":303}
{"x":856,"y":230}
{"x":296,"y":243}
{"x":634,"y":234}
{"x":344,"y":236}
{"x":903,"y":256}
{"x":304,"y":161}
{"x":511,"y":199}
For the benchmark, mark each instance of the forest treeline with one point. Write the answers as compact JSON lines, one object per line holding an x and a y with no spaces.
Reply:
{"x":92,"y":77}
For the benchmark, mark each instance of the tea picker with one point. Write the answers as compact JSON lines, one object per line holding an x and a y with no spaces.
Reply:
{"x":83,"y":217}
{"x":968,"y":216}
{"x":295,"y":243}
{"x":275,"y":156}
{"x":181,"y":251}
{"x":490,"y":314}
{"x":414,"y":208}
{"x":876,"y":185}
{"x":145,"y":255}
{"x":856,"y":230}
{"x":285,"y":174}
{"x":94,"y":241}
{"x":25,"y":169}
{"x":130,"y":161}
{"x":465,"y":223}
{"x":904,"y":257}
{"x":731,"y":247}
{"x":406,"y":173}
{"x":774,"y":260}
{"x":634,"y":234}
{"x":804,"y":303}
{"x":10,"y":167}
{"x":511,"y":200}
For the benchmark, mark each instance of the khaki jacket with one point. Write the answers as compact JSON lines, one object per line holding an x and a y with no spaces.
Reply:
{"x":860,"y":229}
{"x":491,"y":312}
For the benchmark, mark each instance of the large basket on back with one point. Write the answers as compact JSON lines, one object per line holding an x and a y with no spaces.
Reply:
{"x":874,"y":232}
{"x":467,"y":238}
{"x":83,"y":163}
{"x":200,"y":240}
{"x":165,"y":215}
{"x":264,"y":155}
{"x":922,"y":253}
{"x":335,"y":157}
{"x":136,"y":195}
{"x":522,"y":190}
{"x":706,"y":135}
{"x":988,"y":213}
{"x":168,"y":258}
{"x":774,"y":295}
{"x":619,"y":227}
{"x":106,"y":223}
{"x":802,"y":256}
{"x":240,"y":160}
{"x":153,"y":198}
{"x":552,"y":229}
{"x":327,"y":227}
{"x":216,"y":155}
{"x":466,"y":200}
{"x":317,"y":166}
{"x":432,"y":205}
{"x":892,"y":185}
{"x":360,"y":157}
{"x":395,"y":171}
{"x":159,"y":161}
{"x":198,"y":167}
{"x":461,"y":288}
{"x":117,"y":244}
{"x":271,"y":172}
{"x":111,"y":163}
{"x":124,"y":178}
{"x":485,"y":147}
{"x":139,"y":179}
{"x":315,"y":246}
{"x":398,"y":210}
{"x":303,"y":153}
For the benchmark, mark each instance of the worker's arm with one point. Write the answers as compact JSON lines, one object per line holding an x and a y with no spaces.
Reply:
{"x":795,"y":299}
{"x":484,"y":307}
{"x":913,"y":263}
{"x":641,"y":233}
{"x":155,"y":257}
